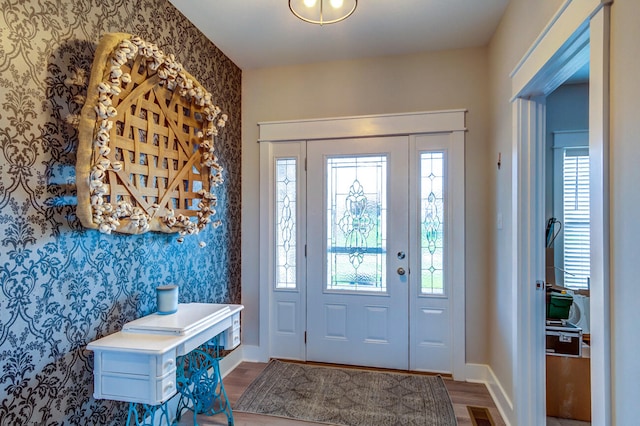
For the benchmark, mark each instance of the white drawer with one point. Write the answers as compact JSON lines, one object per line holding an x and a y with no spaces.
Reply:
{"x":166,"y":387}
{"x":165,"y":363}
{"x":235,"y":321}
{"x":140,"y":389}
{"x":137,"y":364}
{"x":126,"y":363}
{"x":230,"y":338}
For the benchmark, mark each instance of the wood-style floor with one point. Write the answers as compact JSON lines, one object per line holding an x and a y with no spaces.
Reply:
{"x":462,"y":394}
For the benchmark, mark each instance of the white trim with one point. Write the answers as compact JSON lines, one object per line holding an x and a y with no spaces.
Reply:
{"x":458,"y":261}
{"x":266,"y":237}
{"x":527,"y":256}
{"x":559,"y":48}
{"x":537,"y":42}
{"x":455,"y":231}
{"x":363,"y":126}
{"x":289,"y":345}
{"x":599,"y":192}
{"x":253,"y":353}
{"x":481,"y":373}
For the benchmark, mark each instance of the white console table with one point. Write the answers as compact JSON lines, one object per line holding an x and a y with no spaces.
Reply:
{"x":144,"y":363}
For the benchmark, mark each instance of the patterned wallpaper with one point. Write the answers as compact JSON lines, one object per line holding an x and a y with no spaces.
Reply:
{"x":62,"y":286}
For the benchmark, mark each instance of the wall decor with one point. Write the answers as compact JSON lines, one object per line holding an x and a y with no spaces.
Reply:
{"x":63,"y":285}
{"x":146,"y":159}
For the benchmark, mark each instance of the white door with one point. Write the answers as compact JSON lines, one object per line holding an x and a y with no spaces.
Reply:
{"x":378,"y":291}
{"x":357,"y":252}
{"x":434,"y":176}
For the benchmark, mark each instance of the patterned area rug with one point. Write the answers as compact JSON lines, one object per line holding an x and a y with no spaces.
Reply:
{"x":348,"y":396}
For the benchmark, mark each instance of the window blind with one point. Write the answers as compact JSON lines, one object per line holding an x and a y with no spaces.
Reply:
{"x":576,"y":217}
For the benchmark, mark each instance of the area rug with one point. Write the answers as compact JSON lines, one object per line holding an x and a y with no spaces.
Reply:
{"x":348,"y":396}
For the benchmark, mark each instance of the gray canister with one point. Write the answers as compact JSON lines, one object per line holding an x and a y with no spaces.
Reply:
{"x":167,"y":298}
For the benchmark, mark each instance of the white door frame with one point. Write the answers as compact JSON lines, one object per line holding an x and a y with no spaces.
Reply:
{"x":578,"y":33}
{"x":449,"y":121}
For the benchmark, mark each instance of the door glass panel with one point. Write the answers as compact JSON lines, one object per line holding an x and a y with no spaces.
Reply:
{"x":285,"y":223}
{"x":356,"y":223}
{"x":432,"y":222}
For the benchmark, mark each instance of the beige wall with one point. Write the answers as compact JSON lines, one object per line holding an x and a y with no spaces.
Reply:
{"x":478,"y":80}
{"x":625,"y":209}
{"x":430,"y":81}
{"x":519,"y":27}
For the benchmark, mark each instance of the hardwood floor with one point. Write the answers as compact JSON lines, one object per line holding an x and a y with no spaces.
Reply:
{"x":554,"y":421}
{"x":462,"y":394}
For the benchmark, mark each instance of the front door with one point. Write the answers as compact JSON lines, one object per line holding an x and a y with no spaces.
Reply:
{"x":379,"y":261}
{"x":357,"y":252}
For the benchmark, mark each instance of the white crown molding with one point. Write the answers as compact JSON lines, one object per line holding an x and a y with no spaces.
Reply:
{"x":363,"y":126}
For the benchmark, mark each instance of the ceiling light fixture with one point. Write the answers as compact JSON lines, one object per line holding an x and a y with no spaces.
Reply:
{"x":323,"y":11}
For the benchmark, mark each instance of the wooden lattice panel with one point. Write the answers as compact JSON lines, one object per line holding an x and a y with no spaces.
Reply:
{"x":146,"y":154}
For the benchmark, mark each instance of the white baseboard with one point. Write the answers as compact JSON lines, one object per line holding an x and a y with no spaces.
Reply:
{"x":231,"y":361}
{"x":481,"y":373}
{"x":254,"y":353}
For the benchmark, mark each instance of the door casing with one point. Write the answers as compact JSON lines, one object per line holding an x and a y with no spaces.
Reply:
{"x":450,"y":121}
{"x":578,"y":34}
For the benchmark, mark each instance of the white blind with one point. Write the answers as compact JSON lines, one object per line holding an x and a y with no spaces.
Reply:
{"x":575,"y":182}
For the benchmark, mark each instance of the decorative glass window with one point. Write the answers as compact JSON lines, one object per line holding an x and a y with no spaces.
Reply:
{"x":356,"y":223}
{"x":285,"y":216}
{"x":432,"y":221}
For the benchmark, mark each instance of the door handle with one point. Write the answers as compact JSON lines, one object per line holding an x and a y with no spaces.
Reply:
{"x":401,"y":271}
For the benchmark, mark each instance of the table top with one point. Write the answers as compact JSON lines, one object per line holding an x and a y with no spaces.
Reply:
{"x":157,"y":334}
{"x":189,"y":317}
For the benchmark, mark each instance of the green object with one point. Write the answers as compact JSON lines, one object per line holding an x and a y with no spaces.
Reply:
{"x":558,"y":305}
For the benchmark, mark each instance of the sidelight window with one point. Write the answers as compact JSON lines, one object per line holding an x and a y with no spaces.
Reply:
{"x":432,"y":222}
{"x":285,"y":219}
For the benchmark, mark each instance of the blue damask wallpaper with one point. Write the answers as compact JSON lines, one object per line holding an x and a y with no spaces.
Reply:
{"x":62,"y":286}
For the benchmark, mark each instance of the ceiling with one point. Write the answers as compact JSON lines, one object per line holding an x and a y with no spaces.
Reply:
{"x":264,"y":33}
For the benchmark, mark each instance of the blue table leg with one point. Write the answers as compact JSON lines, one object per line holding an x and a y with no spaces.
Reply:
{"x":200,"y":383}
{"x":148,"y":412}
